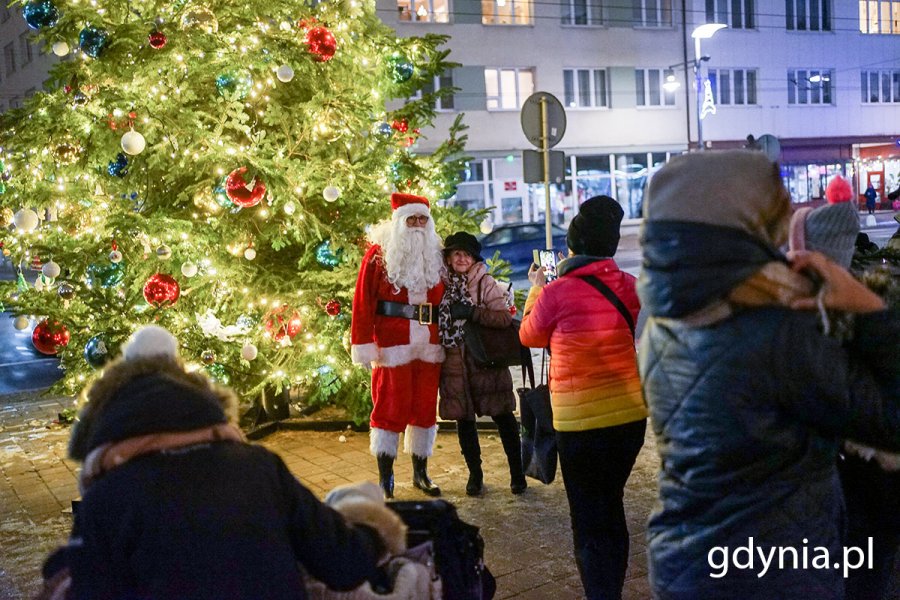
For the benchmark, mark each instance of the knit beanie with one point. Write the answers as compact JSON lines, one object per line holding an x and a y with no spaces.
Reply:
{"x":595,"y":229}
{"x":830,"y":229}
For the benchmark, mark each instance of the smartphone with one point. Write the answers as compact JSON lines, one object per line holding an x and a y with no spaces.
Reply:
{"x":546,"y":259}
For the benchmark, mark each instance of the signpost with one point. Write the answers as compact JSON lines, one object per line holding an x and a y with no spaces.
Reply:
{"x":544,"y":124}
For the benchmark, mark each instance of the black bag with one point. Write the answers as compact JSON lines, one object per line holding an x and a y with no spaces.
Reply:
{"x":492,"y":347}
{"x":458,"y":547}
{"x":539,"y":457}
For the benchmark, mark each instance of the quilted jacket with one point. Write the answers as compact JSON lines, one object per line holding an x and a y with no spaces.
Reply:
{"x":747,"y":414}
{"x":593,"y":370}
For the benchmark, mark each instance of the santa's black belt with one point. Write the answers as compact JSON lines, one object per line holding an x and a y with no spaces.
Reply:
{"x":416,"y":312}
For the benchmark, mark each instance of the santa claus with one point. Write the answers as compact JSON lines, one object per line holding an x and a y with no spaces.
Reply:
{"x":394,"y":331}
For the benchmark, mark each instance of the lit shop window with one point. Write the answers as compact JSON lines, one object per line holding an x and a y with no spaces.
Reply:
{"x":649,"y":87}
{"x":507,"y":89}
{"x":652,"y":13}
{"x":810,"y":86}
{"x":807,"y":15}
{"x":733,"y":86}
{"x":585,"y":88}
{"x":424,"y":11}
{"x":737,"y":14}
{"x":880,"y":86}
{"x":506,"y":12}
{"x":882,"y":16}
{"x":581,"y":12}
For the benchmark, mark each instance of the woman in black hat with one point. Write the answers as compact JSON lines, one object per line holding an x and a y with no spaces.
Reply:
{"x":467,"y":391}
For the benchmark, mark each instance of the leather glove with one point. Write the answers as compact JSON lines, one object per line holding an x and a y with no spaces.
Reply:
{"x":460,"y":311}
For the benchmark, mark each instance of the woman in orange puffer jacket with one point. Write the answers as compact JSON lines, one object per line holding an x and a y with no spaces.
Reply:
{"x":598,"y":409}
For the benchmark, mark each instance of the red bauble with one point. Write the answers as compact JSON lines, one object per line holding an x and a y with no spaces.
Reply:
{"x":401,"y":125}
{"x":283,"y":322}
{"x":513,"y":310}
{"x":333,"y":308}
{"x":321,"y":43}
{"x":161,"y":290}
{"x":241,"y":192}
{"x":49,"y":336}
{"x":157,"y":39}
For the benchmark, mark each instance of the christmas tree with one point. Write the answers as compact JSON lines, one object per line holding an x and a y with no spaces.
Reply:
{"x":211,"y":167}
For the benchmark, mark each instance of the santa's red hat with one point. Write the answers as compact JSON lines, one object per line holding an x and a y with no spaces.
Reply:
{"x":405,"y":205}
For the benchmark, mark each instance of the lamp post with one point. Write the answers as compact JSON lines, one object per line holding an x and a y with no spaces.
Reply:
{"x":701,"y":32}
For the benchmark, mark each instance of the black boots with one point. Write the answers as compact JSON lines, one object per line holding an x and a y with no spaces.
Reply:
{"x":471,"y":451}
{"x":386,"y":475}
{"x":420,"y":476}
{"x":508,"y":427}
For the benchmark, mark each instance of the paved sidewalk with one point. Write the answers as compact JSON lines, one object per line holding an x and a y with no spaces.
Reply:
{"x":528,"y":544}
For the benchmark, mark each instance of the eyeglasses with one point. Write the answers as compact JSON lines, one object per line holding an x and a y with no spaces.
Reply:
{"x":413,"y":219}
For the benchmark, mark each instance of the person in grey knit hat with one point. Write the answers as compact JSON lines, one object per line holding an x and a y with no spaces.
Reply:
{"x":830,"y":229}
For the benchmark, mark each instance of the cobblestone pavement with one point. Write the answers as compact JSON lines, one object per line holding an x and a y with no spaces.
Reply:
{"x":528,"y":544}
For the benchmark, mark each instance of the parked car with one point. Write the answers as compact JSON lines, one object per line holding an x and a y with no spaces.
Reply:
{"x":516,"y":243}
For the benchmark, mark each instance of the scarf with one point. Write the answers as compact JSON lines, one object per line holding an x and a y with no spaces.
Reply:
{"x":456,"y":289}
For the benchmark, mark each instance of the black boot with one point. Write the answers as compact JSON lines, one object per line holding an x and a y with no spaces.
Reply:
{"x":508,"y":427}
{"x":420,"y":476}
{"x":386,"y":475}
{"x":467,"y":432}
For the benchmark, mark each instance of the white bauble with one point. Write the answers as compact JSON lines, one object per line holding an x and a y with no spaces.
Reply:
{"x":115,"y":256}
{"x":188,"y":269}
{"x":26,"y":220}
{"x":133,"y":143}
{"x":39,"y":284}
{"x":486,"y":226}
{"x":163,"y":252}
{"x":284,"y":73}
{"x":249,"y":352}
{"x":331,"y":193}
{"x":51,"y":270}
{"x":290,"y":208}
{"x":21,"y":323}
{"x":60,"y":48}
{"x":249,"y":253}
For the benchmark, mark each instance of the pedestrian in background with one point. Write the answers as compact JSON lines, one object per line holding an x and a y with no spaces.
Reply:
{"x":175,"y":503}
{"x":871,"y":196}
{"x":748,"y":397}
{"x":598,"y":412}
{"x":468,"y":391}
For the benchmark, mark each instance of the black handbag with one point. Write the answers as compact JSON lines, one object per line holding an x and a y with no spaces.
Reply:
{"x":492,"y":347}
{"x":539,"y":456}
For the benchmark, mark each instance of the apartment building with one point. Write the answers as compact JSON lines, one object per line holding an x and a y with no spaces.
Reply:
{"x":822,"y":76}
{"x":23,"y":65}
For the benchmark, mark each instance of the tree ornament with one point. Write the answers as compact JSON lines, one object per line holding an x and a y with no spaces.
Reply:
{"x":39,"y":283}
{"x":51,"y":270}
{"x":97,"y":351}
{"x":115,"y":257}
{"x":234,"y":82}
{"x":79,"y":98}
{"x":401,"y":125}
{"x":383,"y":129}
{"x":26,"y":220}
{"x":163,"y":252}
{"x":66,"y":153}
{"x":60,"y":48}
{"x":281,"y":323}
{"x":250,"y":253}
{"x":49,"y":336}
{"x":333,"y":308}
{"x":65,"y":290}
{"x":7,"y":216}
{"x":290,"y":208}
{"x":157,"y":39}
{"x":284,"y":73}
{"x":486,"y":226}
{"x":93,"y":40}
{"x":220,"y":195}
{"x":513,"y":310}
{"x":118,"y":167}
{"x":400,"y":68}
{"x":242,"y":193}
{"x":326,"y":257}
{"x":21,"y":322}
{"x":218,"y":373}
{"x":133,"y":143}
{"x":249,"y":352}
{"x":331,"y":193}
{"x":321,"y":43}
{"x":161,"y":290}
{"x":188,"y":269}
{"x":40,"y":13}
{"x":105,"y":275}
{"x":208,"y":357}
{"x":199,"y":17}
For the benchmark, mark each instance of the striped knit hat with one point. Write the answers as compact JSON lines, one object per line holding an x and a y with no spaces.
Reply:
{"x":829,"y":229}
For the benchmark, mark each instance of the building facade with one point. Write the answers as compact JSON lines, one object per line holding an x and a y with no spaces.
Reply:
{"x":24,"y":64}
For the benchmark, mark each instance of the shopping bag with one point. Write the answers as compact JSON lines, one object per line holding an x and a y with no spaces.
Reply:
{"x":539,"y":457}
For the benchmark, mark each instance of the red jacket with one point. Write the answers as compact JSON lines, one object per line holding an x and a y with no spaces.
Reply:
{"x":390,"y":341}
{"x":594,"y":380}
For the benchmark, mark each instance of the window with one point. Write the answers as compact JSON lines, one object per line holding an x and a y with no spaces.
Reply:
{"x":507,"y":89}
{"x":810,"y":86}
{"x":581,"y":12}
{"x":733,"y":86}
{"x":880,"y":86}
{"x":424,"y":11}
{"x":882,"y":16}
{"x":811,"y":15}
{"x":25,"y":51}
{"x":652,"y":13}
{"x":440,"y":82}
{"x":9,"y":57}
{"x":737,"y":14}
{"x":650,"y":91}
{"x":506,"y":12}
{"x":585,"y":88}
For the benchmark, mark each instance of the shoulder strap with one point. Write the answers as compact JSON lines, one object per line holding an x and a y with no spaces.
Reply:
{"x":611,"y":296}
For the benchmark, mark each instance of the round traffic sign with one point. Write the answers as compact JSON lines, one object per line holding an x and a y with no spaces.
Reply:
{"x":531,"y":119}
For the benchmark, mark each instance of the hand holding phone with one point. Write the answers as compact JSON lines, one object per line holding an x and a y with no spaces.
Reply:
{"x":546,"y":259}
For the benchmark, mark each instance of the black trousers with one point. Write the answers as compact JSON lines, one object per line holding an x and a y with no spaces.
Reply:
{"x":595,"y":467}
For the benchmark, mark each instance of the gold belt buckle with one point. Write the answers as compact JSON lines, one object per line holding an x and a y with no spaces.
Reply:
{"x":421,"y":320}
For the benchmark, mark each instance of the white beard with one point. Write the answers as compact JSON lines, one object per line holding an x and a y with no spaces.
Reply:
{"x":412,"y":255}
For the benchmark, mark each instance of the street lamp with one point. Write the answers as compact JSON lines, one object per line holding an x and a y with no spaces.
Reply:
{"x":701,"y":32}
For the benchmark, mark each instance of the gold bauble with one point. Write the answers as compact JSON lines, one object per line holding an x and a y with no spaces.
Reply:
{"x":6,"y":216}
{"x":199,"y":17}
{"x":66,"y":153}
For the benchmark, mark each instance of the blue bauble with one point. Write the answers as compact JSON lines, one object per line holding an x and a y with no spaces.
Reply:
{"x":41,"y":13}
{"x":326,"y":257}
{"x":238,"y":82}
{"x":222,"y":199}
{"x":93,"y":40}
{"x":400,"y":68}
{"x":97,"y":351}
{"x":384,"y":129}
{"x":118,"y":167}
{"x":105,"y":274}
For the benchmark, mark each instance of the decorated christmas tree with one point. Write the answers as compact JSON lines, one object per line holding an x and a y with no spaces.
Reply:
{"x":212,"y":167}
